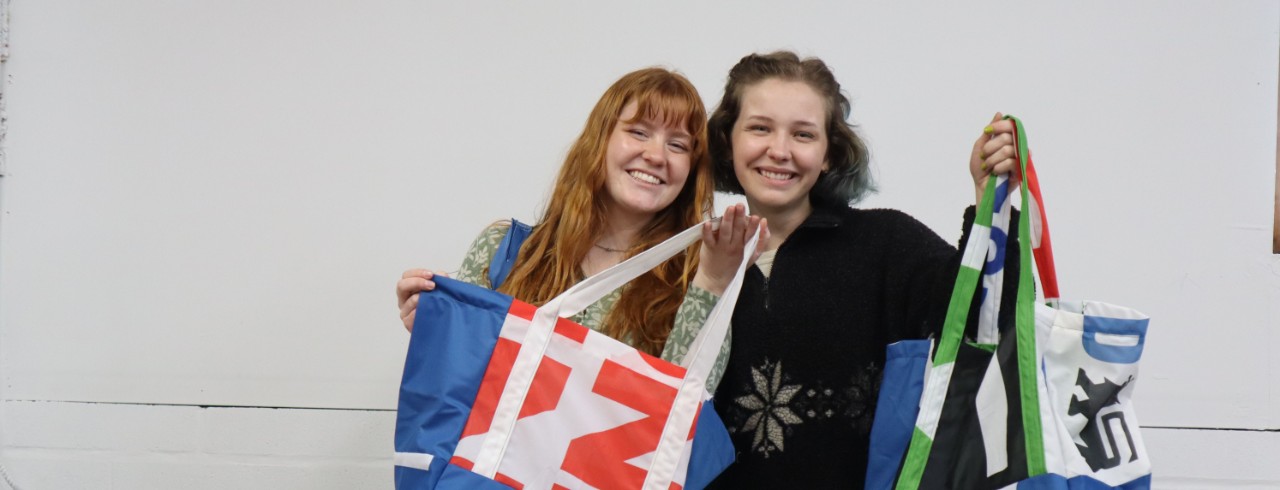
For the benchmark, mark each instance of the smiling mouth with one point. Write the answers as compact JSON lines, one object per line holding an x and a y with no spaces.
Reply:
{"x":643,"y":177}
{"x":771,"y":175}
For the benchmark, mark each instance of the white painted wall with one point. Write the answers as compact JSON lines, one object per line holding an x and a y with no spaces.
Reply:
{"x":207,"y":203}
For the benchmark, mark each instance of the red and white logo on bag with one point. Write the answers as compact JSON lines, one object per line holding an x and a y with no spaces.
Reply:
{"x":583,"y":447}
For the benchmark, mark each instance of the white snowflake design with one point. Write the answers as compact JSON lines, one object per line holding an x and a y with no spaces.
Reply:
{"x":769,"y":406}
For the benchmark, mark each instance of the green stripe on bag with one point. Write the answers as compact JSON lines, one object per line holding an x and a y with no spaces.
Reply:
{"x":1026,"y":325}
{"x":917,"y":456}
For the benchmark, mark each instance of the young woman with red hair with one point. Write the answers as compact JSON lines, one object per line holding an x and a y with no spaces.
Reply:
{"x":637,"y":175}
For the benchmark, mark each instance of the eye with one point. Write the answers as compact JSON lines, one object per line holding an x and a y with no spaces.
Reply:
{"x":679,"y":146}
{"x":638,"y":133}
{"x":757,"y":128}
{"x":806,"y":135}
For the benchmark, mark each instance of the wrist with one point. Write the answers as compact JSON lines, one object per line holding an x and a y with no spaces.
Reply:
{"x":709,"y":284}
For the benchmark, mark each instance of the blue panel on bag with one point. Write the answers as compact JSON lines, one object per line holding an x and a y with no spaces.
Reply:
{"x":1059,"y":482}
{"x":896,"y":409}
{"x":415,"y":478}
{"x":712,"y":449}
{"x":456,"y":328}
{"x":456,"y":477}
{"x":999,"y":237}
{"x":1118,"y":354}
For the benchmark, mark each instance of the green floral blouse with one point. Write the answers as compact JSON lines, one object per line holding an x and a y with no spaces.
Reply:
{"x":689,"y":318}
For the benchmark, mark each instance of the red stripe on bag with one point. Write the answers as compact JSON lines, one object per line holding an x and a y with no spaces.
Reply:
{"x":495,"y":379}
{"x":522,"y":309}
{"x":508,"y":481}
{"x":572,"y":331}
{"x":461,"y":462}
{"x":600,"y":459}
{"x":693,"y":429}
{"x":548,"y":385}
{"x":1043,"y":253}
{"x":662,"y":366}
{"x":544,"y":392}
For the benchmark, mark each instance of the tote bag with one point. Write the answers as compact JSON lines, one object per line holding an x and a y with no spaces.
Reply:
{"x":497,"y":393}
{"x":1042,"y":401}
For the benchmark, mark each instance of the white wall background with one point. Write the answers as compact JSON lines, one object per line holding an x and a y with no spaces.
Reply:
{"x":205,"y":205}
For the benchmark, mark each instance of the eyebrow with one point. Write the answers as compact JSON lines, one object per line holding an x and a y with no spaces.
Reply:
{"x":650,"y":124}
{"x":757,"y":117}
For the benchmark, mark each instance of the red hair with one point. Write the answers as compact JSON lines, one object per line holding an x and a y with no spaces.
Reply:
{"x":550,"y":260}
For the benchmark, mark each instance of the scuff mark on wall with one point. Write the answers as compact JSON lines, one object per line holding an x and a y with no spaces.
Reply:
{"x":4,"y":82}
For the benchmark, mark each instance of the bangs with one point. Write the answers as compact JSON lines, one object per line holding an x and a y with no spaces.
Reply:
{"x":672,"y":107}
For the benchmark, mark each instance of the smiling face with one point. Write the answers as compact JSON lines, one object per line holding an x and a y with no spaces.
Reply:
{"x":779,"y":146}
{"x":647,"y":164}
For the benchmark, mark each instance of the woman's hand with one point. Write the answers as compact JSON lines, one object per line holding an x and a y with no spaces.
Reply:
{"x":995,"y":154}
{"x":411,"y":283}
{"x":722,"y":246}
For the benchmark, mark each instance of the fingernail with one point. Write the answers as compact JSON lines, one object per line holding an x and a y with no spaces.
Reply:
{"x":988,"y":130}
{"x":984,"y":166}
{"x":982,"y":154}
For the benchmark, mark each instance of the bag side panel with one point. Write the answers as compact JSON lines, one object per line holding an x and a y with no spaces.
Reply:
{"x":453,"y":337}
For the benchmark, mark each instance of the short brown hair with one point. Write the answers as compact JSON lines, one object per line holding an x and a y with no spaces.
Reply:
{"x":848,"y":178}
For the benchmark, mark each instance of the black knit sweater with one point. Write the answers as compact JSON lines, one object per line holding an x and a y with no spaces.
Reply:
{"x":799,"y":392}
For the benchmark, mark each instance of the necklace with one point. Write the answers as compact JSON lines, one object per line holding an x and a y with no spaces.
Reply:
{"x":607,"y":249}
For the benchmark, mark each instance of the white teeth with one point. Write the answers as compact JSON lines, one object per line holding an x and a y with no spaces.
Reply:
{"x":776,"y":175}
{"x":643,"y":177}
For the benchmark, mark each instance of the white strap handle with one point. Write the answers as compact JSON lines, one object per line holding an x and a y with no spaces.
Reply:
{"x":698,"y":361}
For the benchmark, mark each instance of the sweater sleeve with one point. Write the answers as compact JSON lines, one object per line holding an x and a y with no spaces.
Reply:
{"x":690,"y":318}
{"x":919,"y":282}
{"x":475,"y":266}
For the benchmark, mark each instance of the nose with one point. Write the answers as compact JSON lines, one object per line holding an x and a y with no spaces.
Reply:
{"x":654,"y":151}
{"x":780,"y":148}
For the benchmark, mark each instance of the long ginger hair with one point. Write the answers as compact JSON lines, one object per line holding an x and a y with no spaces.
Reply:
{"x":550,"y":259}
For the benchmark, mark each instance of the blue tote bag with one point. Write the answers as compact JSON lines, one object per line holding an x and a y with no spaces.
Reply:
{"x":498,"y":393}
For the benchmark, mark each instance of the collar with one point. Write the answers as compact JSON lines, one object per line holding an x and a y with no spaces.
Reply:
{"x":822,"y":216}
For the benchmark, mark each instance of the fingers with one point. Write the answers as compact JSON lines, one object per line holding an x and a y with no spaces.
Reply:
{"x":997,"y":150}
{"x":734,"y":226}
{"x":762,"y":244}
{"x":415,"y":273}
{"x":994,"y":153}
{"x":732,"y":223}
{"x":744,"y":227}
{"x":413,"y":285}
{"x":408,"y":312}
{"x":998,"y":125}
{"x":412,"y":282}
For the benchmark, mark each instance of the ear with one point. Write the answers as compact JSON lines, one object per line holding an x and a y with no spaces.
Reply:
{"x":826,"y":165}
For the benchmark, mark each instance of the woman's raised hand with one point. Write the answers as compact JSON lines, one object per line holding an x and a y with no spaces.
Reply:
{"x":722,"y":246}
{"x":995,"y":153}
{"x":411,"y":283}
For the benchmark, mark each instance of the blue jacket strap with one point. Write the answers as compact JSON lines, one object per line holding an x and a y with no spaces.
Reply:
{"x":505,"y":258}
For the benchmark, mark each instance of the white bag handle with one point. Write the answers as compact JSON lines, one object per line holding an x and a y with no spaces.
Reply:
{"x":575,"y":299}
{"x":698,"y":362}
